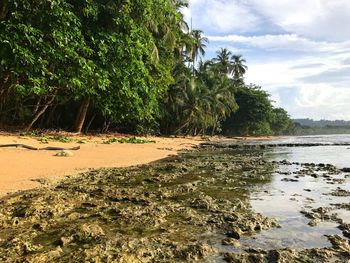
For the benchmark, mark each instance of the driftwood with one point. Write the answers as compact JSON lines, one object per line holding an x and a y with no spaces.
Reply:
{"x":39,"y":149}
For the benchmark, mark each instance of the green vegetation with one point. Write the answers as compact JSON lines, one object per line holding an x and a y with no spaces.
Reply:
{"x":47,"y":139}
{"x":63,"y":61}
{"x":130,"y":66}
{"x":322,"y":123}
{"x":310,"y":127}
{"x":43,"y":138}
{"x":256,"y":115}
{"x":132,"y":140}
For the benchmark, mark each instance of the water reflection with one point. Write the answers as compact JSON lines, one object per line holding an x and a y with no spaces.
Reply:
{"x":335,"y":155}
{"x":284,"y":199}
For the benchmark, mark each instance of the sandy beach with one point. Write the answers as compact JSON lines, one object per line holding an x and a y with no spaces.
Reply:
{"x":20,"y":168}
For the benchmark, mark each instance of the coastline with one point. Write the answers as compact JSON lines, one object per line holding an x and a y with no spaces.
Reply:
{"x":240,"y":200}
{"x":23,"y":169}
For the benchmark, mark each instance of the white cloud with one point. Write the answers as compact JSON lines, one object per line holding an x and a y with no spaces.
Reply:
{"x":283,"y":41}
{"x":284,"y":79}
{"x":214,"y":47}
{"x":314,"y":96}
{"x":221,"y":16}
{"x":293,"y":71}
{"x":322,"y":101}
{"x":320,"y":19}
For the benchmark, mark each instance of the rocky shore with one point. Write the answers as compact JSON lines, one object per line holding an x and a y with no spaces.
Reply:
{"x":194,"y":207}
{"x":264,"y":145}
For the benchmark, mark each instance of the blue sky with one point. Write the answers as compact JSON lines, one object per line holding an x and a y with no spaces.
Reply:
{"x":298,"y":50}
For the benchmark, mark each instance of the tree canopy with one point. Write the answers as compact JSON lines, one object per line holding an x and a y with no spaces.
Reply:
{"x":127,"y":65}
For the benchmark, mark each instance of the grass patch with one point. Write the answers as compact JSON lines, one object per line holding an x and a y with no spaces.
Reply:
{"x":47,"y":139}
{"x":133,"y":140}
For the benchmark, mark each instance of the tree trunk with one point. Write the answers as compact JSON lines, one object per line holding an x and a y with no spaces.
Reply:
{"x":5,"y":83}
{"x":182,"y":126}
{"x":49,"y":121}
{"x":37,"y":106}
{"x":3,"y":9}
{"x":37,"y":114}
{"x":213,"y":130}
{"x":106,"y":125}
{"x":79,"y":122}
{"x":214,"y":127}
{"x":90,"y":122}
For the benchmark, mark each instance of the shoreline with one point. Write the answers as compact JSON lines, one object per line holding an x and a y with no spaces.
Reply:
{"x":148,"y":207}
{"x":23,"y":169}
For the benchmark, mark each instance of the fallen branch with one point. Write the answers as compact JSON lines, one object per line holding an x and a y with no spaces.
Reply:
{"x":39,"y":149}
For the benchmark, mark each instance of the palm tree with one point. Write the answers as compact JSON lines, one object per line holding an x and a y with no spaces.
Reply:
{"x":180,"y":4}
{"x":223,"y":62}
{"x":199,"y":100}
{"x":203,"y":68}
{"x":211,"y":100}
{"x":198,"y":44}
{"x":171,"y":29}
{"x":238,"y":67}
{"x":176,"y":100}
{"x":184,"y":48}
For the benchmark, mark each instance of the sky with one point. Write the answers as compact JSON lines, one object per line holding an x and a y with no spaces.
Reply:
{"x":298,"y":50}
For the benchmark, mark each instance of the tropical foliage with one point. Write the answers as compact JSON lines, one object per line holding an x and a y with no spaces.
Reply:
{"x":124,"y":65}
{"x":256,"y":114}
{"x":70,"y":59}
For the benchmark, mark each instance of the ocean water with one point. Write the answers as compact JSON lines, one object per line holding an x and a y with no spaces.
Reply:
{"x":329,"y":139}
{"x":324,"y":139}
{"x":331,"y":149}
{"x":285,"y":200}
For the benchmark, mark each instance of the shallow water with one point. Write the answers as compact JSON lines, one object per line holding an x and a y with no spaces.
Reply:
{"x":335,"y":155}
{"x":322,"y":139}
{"x":285,"y":200}
{"x":330,"y":139}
